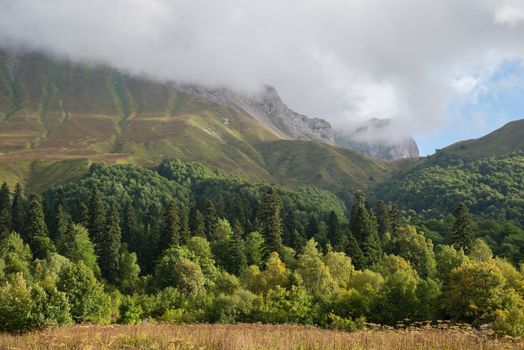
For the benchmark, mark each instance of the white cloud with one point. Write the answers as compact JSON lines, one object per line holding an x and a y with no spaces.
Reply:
{"x":509,"y":11}
{"x":343,"y":60}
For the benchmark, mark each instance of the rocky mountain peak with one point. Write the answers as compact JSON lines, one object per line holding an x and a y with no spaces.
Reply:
{"x":268,"y":108}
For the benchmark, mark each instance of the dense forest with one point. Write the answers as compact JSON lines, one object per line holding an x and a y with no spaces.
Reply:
{"x":184,"y":243}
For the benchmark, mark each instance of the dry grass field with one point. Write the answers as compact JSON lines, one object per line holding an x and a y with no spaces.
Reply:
{"x":249,"y":336}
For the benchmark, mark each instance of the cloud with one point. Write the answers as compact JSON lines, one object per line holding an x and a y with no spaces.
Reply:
{"x":343,"y":60}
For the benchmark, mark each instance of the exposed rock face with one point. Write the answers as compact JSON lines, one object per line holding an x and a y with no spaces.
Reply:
{"x":269,"y":109}
{"x":405,"y":148}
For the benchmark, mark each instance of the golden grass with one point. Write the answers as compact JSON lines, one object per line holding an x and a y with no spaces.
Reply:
{"x":249,"y":336}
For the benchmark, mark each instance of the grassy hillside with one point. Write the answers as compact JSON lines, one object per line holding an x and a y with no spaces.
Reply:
{"x":55,"y":117}
{"x":507,"y":139}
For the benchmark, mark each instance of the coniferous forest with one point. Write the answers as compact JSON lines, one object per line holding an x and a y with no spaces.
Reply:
{"x":186,"y":244}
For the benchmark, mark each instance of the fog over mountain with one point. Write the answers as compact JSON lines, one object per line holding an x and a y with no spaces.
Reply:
{"x":344,"y":61}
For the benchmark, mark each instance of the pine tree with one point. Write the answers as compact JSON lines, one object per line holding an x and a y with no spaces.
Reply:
{"x":130,"y":227}
{"x":371,"y":246}
{"x":394,"y":219}
{"x":336,"y":236}
{"x":293,"y":231}
{"x":238,"y":211}
{"x":110,"y":247}
{"x":36,"y":230}
{"x":363,"y":226}
{"x":196,"y":222}
{"x":81,"y":214}
{"x":463,"y":235}
{"x":237,"y":250}
{"x":185,"y":232}
{"x":354,"y":251}
{"x":313,"y":227}
{"x":172,"y":226}
{"x":210,"y":219}
{"x":19,"y":210}
{"x":62,"y":223}
{"x":271,"y":222}
{"x":97,"y":220}
{"x":359,"y":217}
{"x":383,"y":220}
{"x":5,"y":209}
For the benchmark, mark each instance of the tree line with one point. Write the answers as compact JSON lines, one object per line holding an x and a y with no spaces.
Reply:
{"x":216,"y":250}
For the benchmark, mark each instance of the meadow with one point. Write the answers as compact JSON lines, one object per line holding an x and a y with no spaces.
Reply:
{"x":251,"y":336}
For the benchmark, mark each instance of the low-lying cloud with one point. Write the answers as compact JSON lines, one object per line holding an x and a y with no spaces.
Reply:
{"x":343,"y":60}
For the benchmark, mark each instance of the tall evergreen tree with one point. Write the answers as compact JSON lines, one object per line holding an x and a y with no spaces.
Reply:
{"x":210,"y":218}
{"x":172,"y":226}
{"x":185,"y":231}
{"x":371,"y":246}
{"x":336,"y":235}
{"x":363,"y":225}
{"x":110,"y":249}
{"x":130,"y":227}
{"x":97,"y":220}
{"x":294,"y":235}
{"x":19,"y":210}
{"x":383,"y":220}
{"x":36,"y":230}
{"x":463,"y":235}
{"x":359,"y":222}
{"x":237,"y":250}
{"x":62,"y":223}
{"x":238,"y":211}
{"x":81,"y":213}
{"x":271,"y":222}
{"x":354,"y":251}
{"x":5,"y":209}
{"x":196,"y":222}
{"x":394,"y":219}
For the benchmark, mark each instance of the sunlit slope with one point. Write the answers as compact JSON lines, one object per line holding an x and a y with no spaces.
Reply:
{"x":56,"y":111}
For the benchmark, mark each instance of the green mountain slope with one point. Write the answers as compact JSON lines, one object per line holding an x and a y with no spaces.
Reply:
{"x":507,"y":139}
{"x":54,"y":114}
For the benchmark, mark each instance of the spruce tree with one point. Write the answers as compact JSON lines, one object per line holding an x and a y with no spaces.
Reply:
{"x":371,"y":246}
{"x":463,"y":235}
{"x":210,"y":219}
{"x":336,"y":236}
{"x":359,"y":217}
{"x":5,"y":209}
{"x":237,"y":250}
{"x":294,"y":235}
{"x":271,"y":222}
{"x":196,"y":222}
{"x":383,"y":220}
{"x":172,"y":226}
{"x":97,"y":220}
{"x":36,"y":230}
{"x":354,"y":251}
{"x":238,"y":211}
{"x":19,"y":210}
{"x":81,"y":214}
{"x":363,"y":225}
{"x":62,"y":223}
{"x":394,"y":219}
{"x":110,"y":247}
{"x":185,"y":232}
{"x":130,"y":227}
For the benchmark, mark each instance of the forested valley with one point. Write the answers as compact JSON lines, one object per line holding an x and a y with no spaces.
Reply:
{"x":186,"y":244}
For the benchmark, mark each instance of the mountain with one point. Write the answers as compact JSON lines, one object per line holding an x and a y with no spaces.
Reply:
{"x":268,"y":108}
{"x":485,"y":174}
{"x":507,"y":139}
{"x":366,"y":138}
{"x":58,"y":116}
